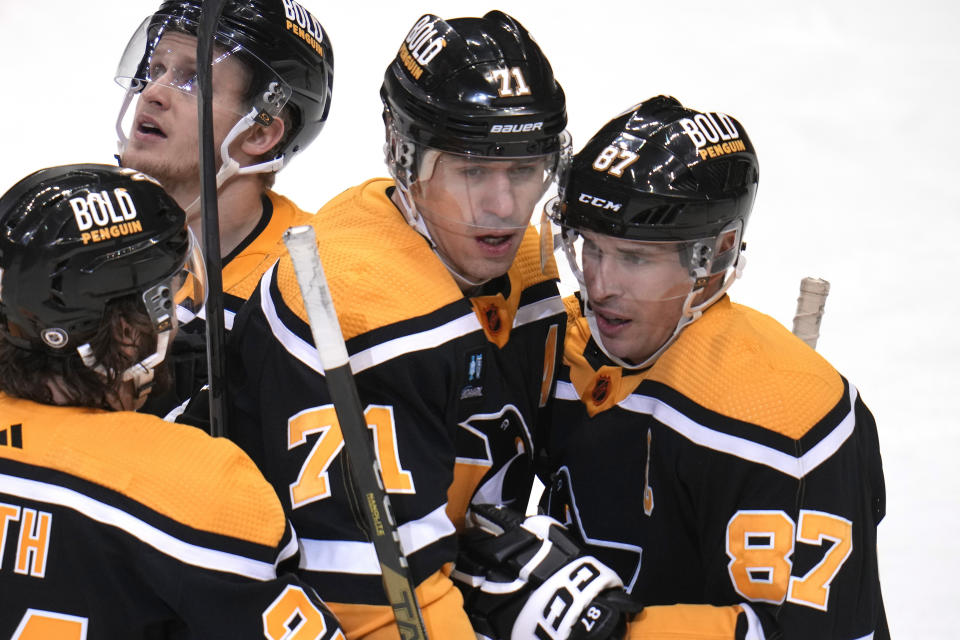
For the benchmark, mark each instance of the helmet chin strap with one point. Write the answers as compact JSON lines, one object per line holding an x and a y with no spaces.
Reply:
{"x":690,"y":314}
{"x":415,"y":220}
{"x":141,"y":373}
{"x":229,"y":166}
{"x":122,"y":139}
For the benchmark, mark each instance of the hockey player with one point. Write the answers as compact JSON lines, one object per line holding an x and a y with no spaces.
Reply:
{"x":115,"y":524}
{"x":726,"y":472}
{"x":273,"y":76}
{"x":452,"y":322}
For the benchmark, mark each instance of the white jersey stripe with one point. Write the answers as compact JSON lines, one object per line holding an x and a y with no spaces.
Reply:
{"x":298,"y":348}
{"x":338,"y":556}
{"x":184,"y":316}
{"x":380,"y":353}
{"x":346,"y":556}
{"x":112,"y":516}
{"x":566,"y":391}
{"x":734,"y":445}
{"x":754,"y":628}
{"x":429,"y":339}
{"x":538,"y":310}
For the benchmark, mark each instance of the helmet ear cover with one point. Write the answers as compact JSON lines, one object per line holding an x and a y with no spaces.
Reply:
{"x":76,"y":238}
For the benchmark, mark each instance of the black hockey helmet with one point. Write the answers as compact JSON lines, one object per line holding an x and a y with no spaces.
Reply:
{"x":75,"y":237}
{"x":661,"y":171}
{"x":671,"y":189}
{"x":282,"y":44}
{"x":475,"y":86}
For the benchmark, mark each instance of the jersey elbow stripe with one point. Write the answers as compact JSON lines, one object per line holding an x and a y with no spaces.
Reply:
{"x":794,"y":466}
{"x":160,"y":540}
{"x":754,"y":628}
{"x":290,"y":549}
{"x":305,"y":352}
{"x":348,"y":556}
{"x":296,"y":346}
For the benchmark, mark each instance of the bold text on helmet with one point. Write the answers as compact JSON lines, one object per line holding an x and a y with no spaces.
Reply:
{"x":303,"y":25}
{"x":600,"y":203}
{"x":709,"y":127}
{"x":114,"y":214}
{"x":722,"y":149}
{"x":424,"y":42}
{"x":415,"y":70}
{"x":516,"y":128}
{"x":113,"y":231}
{"x":98,"y":209}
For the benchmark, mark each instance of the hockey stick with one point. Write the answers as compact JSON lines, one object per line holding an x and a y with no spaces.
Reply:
{"x":813,"y":297}
{"x":362,"y":466}
{"x":216,"y":355}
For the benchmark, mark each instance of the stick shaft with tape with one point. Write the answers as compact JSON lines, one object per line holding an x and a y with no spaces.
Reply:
{"x":810,"y":305}
{"x":362,"y":465}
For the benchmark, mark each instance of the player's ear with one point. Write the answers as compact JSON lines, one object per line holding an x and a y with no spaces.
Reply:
{"x":726,"y":241}
{"x":259,"y":139}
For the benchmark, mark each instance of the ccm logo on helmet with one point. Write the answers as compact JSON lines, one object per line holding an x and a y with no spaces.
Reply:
{"x":516,"y":128}
{"x":600,"y":203}
{"x":114,"y":215}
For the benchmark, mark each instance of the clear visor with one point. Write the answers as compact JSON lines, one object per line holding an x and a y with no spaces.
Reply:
{"x":473,"y":195}
{"x":163,"y":51}
{"x":643,"y":271}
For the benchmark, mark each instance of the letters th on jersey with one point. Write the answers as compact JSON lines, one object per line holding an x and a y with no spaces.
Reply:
{"x":24,"y":539}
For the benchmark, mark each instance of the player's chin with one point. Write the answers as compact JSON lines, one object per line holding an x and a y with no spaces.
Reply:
{"x":628,"y":348}
{"x":141,"y":160}
{"x":483,"y":269}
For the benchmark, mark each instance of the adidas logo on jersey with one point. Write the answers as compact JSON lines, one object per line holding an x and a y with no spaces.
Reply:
{"x":15,"y":437}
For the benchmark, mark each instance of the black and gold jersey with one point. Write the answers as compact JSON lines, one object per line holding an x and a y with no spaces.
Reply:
{"x":247,"y":262}
{"x":242,"y":269}
{"x":121,"y":525}
{"x":740,"y":471}
{"x":454,"y":390}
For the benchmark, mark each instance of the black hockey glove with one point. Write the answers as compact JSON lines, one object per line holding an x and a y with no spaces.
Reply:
{"x":526,"y":579}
